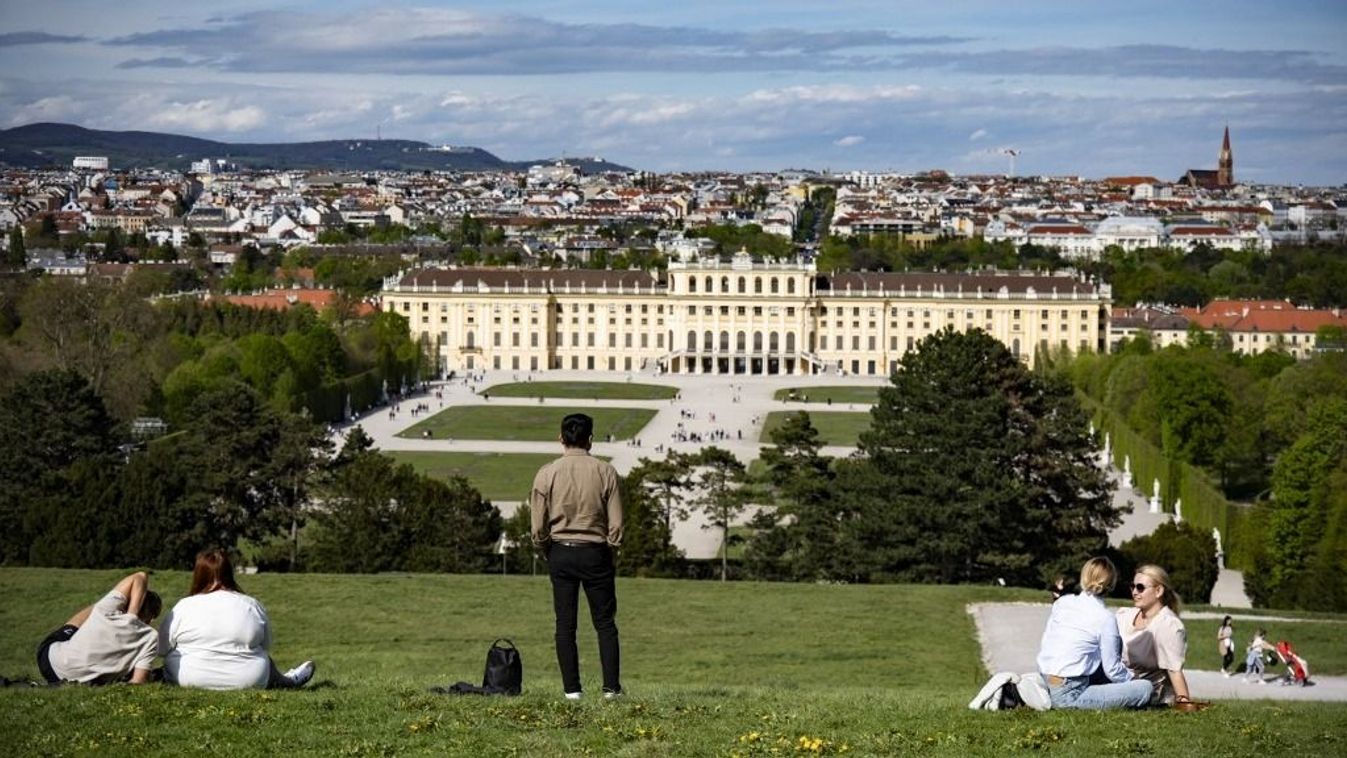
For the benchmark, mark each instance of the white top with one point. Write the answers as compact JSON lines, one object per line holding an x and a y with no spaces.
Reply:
{"x":217,"y":641}
{"x":1152,"y":652}
{"x":107,"y":647}
{"x":1081,"y":635}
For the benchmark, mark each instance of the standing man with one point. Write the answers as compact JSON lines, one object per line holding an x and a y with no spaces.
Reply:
{"x":577,"y":524}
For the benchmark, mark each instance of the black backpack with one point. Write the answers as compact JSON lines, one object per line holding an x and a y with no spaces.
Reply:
{"x":504,"y":674}
{"x":504,"y":669}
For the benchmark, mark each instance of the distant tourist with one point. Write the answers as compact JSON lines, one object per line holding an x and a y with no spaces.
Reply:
{"x":1081,"y":638}
{"x":1225,"y":644}
{"x":218,"y":638}
{"x":1154,"y":641}
{"x":109,"y":641}
{"x":576,"y":511}
{"x":1253,"y":656}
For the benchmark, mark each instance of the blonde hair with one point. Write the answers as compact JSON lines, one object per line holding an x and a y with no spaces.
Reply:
{"x":1169,"y":597}
{"x":1098,"y":576}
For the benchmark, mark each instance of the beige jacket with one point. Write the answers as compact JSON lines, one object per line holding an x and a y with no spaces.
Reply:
{"x":576,"y":499}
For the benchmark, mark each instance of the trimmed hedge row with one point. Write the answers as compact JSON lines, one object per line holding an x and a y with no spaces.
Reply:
{"x":1203,"y":504}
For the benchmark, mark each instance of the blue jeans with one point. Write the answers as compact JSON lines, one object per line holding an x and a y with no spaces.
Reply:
{"x":1077,"y":692}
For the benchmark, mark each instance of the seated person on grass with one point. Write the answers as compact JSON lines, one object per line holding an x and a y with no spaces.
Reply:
{"x":218,"y":638}
{"x":109,"y":641}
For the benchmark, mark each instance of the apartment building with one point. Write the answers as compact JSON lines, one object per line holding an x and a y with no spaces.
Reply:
{"x":739,"y":317}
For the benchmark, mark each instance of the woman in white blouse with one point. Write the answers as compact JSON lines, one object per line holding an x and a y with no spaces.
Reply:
{"x":218,"y":638}
{"x":1155,"y":642}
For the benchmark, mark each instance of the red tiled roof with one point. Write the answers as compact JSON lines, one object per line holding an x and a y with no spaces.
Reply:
{"x":283,"y":299}
{"x":1262,"y":316}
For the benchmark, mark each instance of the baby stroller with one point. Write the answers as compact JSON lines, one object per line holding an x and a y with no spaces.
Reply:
{"x":1297,"y":668}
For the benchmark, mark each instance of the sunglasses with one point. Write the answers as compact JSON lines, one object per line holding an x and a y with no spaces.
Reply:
{"x":1139,"y":587}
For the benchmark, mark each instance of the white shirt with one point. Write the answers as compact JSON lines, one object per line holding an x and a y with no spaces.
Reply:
{"x":217,"y":641}
{"x":107,"y":647}
{"x":1082,"y":635}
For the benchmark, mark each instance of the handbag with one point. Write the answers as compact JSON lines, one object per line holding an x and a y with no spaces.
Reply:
{"x":504,"y":672}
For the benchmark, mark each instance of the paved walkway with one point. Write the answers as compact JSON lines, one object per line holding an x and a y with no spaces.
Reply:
{"x":735,"y":405}
{"x":1010,"y":632}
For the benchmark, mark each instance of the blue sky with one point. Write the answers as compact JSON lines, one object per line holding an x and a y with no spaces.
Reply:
{"x":1083,"y":88}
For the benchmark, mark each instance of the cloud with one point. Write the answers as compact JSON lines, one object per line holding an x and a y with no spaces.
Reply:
{"x":161,"y":62}
{"x":442,"y":41}
{"x":977,"y":135}
{"x":1124,"y":61}
{"x":1278,"y":135}
{"x":14,"y":39}
{"x":438,"y":41}
{"x":204,"y":115}
{"x":850,"y":140}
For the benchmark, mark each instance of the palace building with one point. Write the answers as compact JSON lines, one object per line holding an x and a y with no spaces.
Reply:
{"x":733,"y":317}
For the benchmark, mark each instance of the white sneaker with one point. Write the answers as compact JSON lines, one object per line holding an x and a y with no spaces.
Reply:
{"x":1033,"y":692}
{"x":986,"y":697}
{"x":572,"y":695}
{"x":301,"y":674}
{"x":610,"y":695}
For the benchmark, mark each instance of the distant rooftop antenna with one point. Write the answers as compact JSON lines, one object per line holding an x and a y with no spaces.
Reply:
{"x":1010,"y":152}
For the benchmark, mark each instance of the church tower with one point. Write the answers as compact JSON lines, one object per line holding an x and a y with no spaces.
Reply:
{"x":1225,"y":171}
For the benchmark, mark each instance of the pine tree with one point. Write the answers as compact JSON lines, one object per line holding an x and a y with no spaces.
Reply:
{"x":975,"y":469}
{"x":16,"y":256}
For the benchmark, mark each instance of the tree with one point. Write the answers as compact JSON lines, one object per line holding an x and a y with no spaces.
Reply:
{"x":16,"y":257}
{"x":1186,"y":552}
{"x":358,"y":529}
{"x":666,"y":481}
{"x":976,"y":469}
{"x":98,"y":330}
{"x":228,"y":452}
{"x":1295,"y":521}
{"x":647,"y":532}
{"x":58,"y":434}
{"x":299,"y":461}
{"x":720,"y":481}
{"x":802,"y":538}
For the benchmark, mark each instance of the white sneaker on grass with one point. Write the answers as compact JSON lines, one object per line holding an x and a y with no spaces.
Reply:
{"x":301,"y":674}
{"x":572,"y":695}
{"x":610,"y":694}
{"x":986,"y":699}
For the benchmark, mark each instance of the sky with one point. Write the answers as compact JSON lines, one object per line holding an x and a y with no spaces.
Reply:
{"x":1075,"y":88}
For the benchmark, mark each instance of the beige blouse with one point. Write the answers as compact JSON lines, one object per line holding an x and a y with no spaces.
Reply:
{"x":1151,"y":652}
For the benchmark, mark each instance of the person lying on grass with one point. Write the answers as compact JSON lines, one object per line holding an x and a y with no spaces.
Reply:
{"x":109,"y":641}
{"x":218,"y":638}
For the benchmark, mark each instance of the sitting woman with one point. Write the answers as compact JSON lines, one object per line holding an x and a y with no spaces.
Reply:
{"x":217,"y":638}
{"x":1081,"y":639}
{"x":1154,"y":640}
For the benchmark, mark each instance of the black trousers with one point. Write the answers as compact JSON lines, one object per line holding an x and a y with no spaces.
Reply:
{"x":591,"y":568}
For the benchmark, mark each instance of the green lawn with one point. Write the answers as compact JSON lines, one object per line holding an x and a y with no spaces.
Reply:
{"x":498,"y":476}
{"x":711,"y":669}
{"x":839,"y":394}
{"x":526,"y":423}
{"x":584,"y":390}
{"x":834,"y":427}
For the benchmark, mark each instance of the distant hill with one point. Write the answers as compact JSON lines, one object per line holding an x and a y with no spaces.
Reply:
{"x":47,"y":145}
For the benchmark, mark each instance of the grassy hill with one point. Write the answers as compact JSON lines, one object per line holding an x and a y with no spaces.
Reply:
{"x":47,"y":144}
{"x":711,"y":669}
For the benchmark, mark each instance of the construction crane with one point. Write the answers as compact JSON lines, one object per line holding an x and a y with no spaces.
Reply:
{"x":1010,"y":152}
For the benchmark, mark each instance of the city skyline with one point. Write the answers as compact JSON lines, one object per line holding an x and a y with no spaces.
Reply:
{"x":1091,"y":91}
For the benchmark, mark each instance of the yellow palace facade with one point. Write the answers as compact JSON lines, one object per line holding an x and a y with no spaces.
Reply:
{"x":732,"y":317}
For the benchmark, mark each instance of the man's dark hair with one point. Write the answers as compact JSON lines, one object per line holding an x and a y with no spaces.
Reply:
{"x":150,"y":605}
{"x":576,"y":429}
